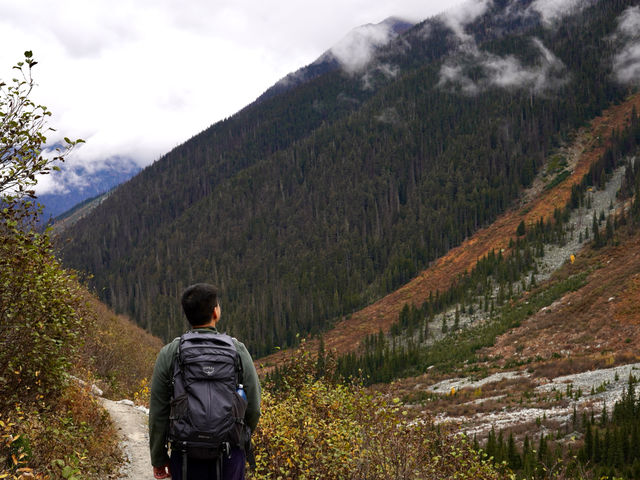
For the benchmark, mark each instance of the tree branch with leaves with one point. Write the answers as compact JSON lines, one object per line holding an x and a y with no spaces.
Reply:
{"x":23,"y":129}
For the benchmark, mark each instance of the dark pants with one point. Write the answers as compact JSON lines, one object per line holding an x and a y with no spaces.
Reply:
{"x":232,"y":467}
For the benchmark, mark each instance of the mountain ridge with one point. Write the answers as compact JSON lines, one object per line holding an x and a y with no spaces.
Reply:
{"x":328,"y":62}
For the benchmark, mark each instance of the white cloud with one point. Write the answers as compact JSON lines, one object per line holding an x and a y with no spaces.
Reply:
{"x":81,"y":176}
{"x":356,"y":50}
{"x":504,"y":72}
{"x":137,"y":77}
{"x":626,"y":63}
{"x":459,"y":17}
{"x":452,"y":74}
{"x":385,"y":69}
{"x":509,"y":71}
{"x":553,"y":10}
{"x":629,"y":22}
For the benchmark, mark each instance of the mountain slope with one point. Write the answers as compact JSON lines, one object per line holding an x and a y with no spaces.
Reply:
{"x":321,"y":200}
{"x":589,"y":145}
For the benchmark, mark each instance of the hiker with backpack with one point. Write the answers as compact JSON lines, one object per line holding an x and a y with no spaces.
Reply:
{"x":205,"y":398}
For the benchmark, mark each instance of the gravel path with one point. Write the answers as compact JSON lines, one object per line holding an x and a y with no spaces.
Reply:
{"x":131,"y":423}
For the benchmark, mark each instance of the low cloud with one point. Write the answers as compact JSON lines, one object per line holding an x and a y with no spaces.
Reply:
{"x":626,"y":63}
{"x":459,"y":17}
{"x":454,"y":75}
{"x":137,"y":78}
{"x":385,"y":70}
{"x":504,"y":72}
{"x":548,"y":73}
{"x":355,"y":51}
{"x":76,"y":176}
{"x":551,"y":11}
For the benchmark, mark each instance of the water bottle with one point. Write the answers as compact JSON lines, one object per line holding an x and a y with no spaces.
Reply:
{"x":240,"y":391}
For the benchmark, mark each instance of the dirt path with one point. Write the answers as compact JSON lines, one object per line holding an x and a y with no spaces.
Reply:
{"x":131,"y":424}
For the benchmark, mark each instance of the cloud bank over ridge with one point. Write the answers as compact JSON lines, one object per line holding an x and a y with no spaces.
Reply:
{"x":135,"y":79}
{"x":357,"y":48}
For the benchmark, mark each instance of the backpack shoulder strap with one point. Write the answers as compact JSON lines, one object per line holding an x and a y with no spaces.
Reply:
{"x":238,"y":361}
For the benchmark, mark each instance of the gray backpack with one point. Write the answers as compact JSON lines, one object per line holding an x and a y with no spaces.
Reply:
{"x":207,"y":413}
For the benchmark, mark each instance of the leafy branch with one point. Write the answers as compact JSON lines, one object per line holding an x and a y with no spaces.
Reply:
{"x":23,"y":125}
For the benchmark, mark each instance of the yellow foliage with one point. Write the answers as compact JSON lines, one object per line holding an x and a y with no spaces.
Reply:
{"x":73,"y":434}
{"x":141,"y":396}
{"x":319,"y":429}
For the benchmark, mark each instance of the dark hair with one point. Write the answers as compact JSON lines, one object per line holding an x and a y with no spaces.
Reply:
{"x":198,"y":302}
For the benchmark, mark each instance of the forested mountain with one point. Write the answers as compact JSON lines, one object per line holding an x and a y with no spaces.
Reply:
{"x":314,"y":202}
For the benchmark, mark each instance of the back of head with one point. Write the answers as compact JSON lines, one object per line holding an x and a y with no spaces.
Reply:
{"x":198,"y":303}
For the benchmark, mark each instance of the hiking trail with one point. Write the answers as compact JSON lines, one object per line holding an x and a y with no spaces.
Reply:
{"x":131,"y":424}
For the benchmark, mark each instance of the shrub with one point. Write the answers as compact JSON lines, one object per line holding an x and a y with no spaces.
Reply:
{"x":315,"y":428}
{"x":71,"y":438}
{"x":39,"y":327}
{"x":38,"y":323}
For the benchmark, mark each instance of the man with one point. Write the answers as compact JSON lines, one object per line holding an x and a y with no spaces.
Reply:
{"x":202,"y":309}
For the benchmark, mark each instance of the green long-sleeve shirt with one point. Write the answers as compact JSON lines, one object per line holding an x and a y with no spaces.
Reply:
{"x":161,"y":390}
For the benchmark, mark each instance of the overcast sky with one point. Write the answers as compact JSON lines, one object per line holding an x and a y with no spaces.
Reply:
{"x":136,"y":78}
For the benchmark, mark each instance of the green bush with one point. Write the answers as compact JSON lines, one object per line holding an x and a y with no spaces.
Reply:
{"x":38,"y":323}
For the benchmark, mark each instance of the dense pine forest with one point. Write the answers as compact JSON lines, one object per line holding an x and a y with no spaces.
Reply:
{"x":313,"y":203}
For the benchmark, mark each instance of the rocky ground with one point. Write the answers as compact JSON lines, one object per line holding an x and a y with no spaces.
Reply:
{"x":589,"y":391}
{"x":581,"y":219}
